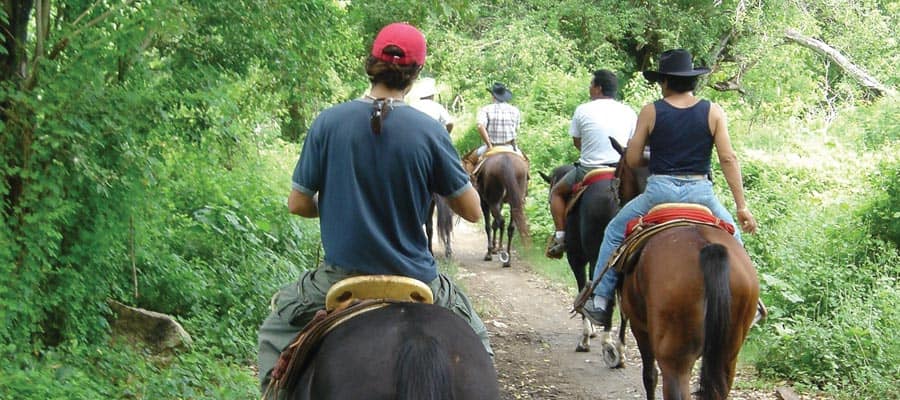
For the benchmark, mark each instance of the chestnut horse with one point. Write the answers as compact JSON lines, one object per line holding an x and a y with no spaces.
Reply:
{"x":405,"y":351}
{"x":503,"y":178}
{"x":585,"y":223}
{"x":692,"y":293}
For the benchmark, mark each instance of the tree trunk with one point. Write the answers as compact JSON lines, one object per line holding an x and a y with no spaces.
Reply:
{"x":15,"y":35}
{"x":846,"y":65}
{"x":13,"y":70}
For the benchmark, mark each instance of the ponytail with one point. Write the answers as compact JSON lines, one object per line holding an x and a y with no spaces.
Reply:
{"x":394,"y":76}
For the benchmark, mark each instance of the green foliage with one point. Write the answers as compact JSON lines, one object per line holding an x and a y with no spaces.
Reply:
{"x":882,"y":213}
{"x":873,"y":125}
{"x":139,"y":165}
{"x":72,"y":373}
{"x":843,"y":352}
{"x":828,"y":282}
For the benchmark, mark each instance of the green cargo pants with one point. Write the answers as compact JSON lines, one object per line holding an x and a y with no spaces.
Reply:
{"x":296,"y":303}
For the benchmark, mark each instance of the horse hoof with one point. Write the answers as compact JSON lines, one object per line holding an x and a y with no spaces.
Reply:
{"x":487,"y":257}
{"x":506,"y":265}
{"x":582,"y":349}
{"x":611,"y":356}
{"x":504,"y":258}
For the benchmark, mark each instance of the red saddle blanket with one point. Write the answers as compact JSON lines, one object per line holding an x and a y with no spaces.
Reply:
{"x":665,"y":214}
{"x":594,"y":178}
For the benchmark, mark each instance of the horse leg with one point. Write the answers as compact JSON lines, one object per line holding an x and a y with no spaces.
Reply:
{"x":444,"y":224}
{"x":587,"y":332}
{"x":613,"y":349}
{"x":429,"y":225}
{"x":509,"y":235}
{"x":676,"y":372}
{"x":648,"y":362}
{"x":448,"y":251}
{"x":498,"y":226}
{"x":487,"y":229}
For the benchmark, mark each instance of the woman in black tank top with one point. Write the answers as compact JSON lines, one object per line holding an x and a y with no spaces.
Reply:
{"x":681,"y":131}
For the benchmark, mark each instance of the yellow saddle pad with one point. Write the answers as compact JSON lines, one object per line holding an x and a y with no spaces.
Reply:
{"x":498,"y":150}
{"x":389,"y":287}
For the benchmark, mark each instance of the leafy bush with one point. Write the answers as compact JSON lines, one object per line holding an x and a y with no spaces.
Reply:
{"x":72,"y":371}
{"x":828,"y":282}
{"x":882,"y":213}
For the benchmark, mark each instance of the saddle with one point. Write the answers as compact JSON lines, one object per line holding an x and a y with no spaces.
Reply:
{"x":594,"y":176}
{"x":346,"y":299}
{"x":472,"y":163}
{"x":639,"y":230}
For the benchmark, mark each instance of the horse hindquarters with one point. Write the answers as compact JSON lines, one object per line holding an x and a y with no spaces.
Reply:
{"x":663,"y":300}
{"x":410,"y":354}
{"x":423,"y":371}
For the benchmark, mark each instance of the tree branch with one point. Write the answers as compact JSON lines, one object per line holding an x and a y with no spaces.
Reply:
{"x":61,"y":45}
{"x":842,"y":61}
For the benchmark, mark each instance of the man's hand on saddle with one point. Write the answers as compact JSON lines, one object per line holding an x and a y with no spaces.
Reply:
{"x":745,"y":218}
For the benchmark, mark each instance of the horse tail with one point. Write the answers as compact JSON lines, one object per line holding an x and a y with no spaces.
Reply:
{"x":516,"y":198}
{"x":444,"y":219}
{"x":423,"y":369}
{"x":715,"y":267}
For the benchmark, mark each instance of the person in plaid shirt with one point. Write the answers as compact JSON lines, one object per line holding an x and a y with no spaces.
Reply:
{"x":498,"y":123}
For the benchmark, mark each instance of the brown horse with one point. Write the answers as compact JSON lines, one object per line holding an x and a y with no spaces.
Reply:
{"x":503,"y":178}
{"x":692,"y":293}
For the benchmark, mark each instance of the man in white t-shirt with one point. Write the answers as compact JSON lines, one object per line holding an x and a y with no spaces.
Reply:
{"x":593,"y":124}
{"x":424,"y":102}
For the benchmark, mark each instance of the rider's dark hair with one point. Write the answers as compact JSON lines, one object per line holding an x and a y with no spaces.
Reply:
{"x":394,"y":76}
{"x":680,"y":84}
{"x":607,"y":81}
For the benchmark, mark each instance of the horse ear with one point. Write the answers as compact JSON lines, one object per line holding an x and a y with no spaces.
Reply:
{"x":544,"y":176}
{"x":616,"y":145}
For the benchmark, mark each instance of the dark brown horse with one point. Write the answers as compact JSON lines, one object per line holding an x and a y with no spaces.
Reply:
{"x":692,"y":293}
{"x":585,"y":223}
{"x":503,"y":178}
{"x":403,"y":351}
{"x":444,"y":224}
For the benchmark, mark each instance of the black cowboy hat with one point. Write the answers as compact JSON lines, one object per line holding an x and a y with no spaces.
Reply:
{"x":676,"y":62}
{"x":500,"y":92}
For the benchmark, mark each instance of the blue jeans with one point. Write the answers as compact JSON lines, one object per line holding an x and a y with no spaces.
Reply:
{"x":660,"y":189}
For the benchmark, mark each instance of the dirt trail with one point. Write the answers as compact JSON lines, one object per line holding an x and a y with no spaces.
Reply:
{"x":533,"y":335}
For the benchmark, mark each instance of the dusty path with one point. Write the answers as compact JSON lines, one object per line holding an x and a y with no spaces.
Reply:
{"x":533,"y":335}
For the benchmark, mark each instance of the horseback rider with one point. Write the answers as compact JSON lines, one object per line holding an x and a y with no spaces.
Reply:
{"x":681,"y":131}
{"x":592,"y":125}
{"x":498,"y":124}
{"x":367,"y":170}
{"x":423,"y":100}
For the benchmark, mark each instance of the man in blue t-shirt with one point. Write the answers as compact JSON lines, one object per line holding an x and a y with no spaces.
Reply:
{"x":367,"y":170}
{"x":375,"y":189}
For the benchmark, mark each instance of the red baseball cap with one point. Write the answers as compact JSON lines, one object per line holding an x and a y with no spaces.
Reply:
{"x":404,"y":36}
